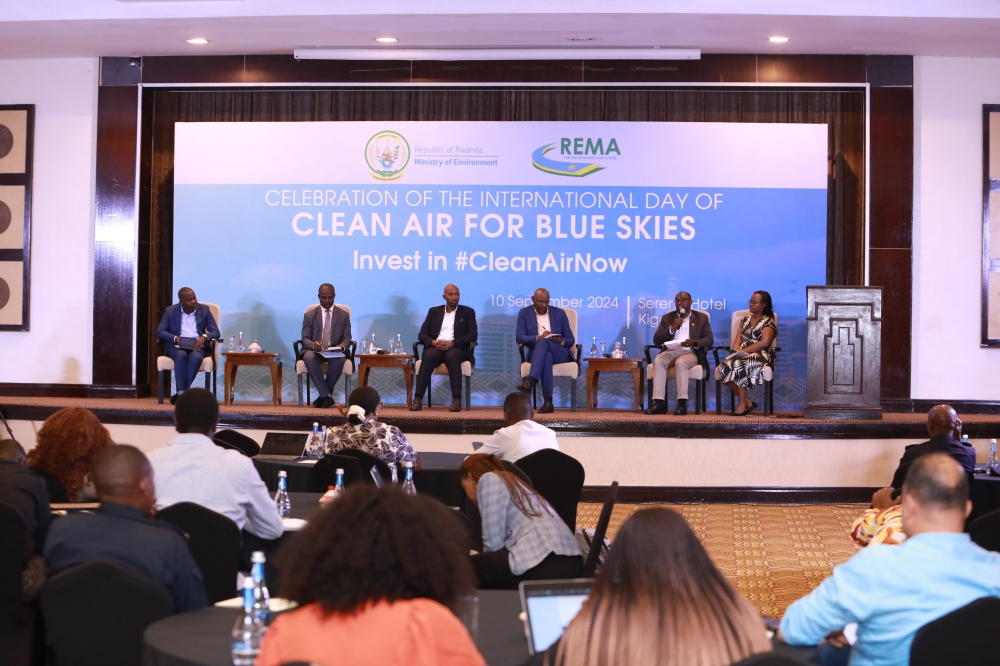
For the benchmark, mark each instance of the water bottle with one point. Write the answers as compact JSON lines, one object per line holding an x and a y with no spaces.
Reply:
{"x":322,"y":439}
{"x":232,"y":343}
{"x":281,"y":496}
{"x":408,"y":486}
{"x":247,"y":632}
{"x":261,"y":598}
{"x":604,"y":349}
{"x":399,"y":343}
{"x":373,"y":348}
{"x":239,"y":343}
{"x":315,"y":446}
{"x":965,"y":440}
{"x":991,"y":462}
{"x":624,"y":348}
{"x":593,"y":348}
{"x":393,"y":473}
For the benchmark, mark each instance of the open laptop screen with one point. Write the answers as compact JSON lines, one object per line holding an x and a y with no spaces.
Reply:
{"x":550,"y":605}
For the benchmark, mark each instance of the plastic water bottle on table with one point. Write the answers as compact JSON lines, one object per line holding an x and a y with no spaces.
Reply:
{"x":248,"y":630}
{"x":991,"y":461}
{"x":408,"y":487}
{"x":261,"y":598}
{"x":593,"y":348}
{"x":239,"y":343}
{"x":281,"y":498}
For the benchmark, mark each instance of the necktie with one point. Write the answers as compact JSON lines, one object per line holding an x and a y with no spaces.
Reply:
{"x":326,"y":328}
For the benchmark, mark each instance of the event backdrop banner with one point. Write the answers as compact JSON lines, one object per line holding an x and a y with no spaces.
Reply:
{"x":613,"y":218}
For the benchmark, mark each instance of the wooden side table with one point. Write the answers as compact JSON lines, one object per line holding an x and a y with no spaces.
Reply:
{"x":235,"y":359}
{"x":597,"y":365}
{"x":402,"y":361}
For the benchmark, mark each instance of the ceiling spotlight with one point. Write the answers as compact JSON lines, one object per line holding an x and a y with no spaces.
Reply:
{"x":386,"y":40}
{"x":581,"y":39}
{"x":777,"y":40}
{"x":197,"y":40}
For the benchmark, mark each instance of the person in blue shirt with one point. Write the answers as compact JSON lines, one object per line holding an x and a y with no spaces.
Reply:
{"x":892,"y":591}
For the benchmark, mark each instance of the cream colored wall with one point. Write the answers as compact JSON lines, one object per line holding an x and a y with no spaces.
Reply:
{"x":650,"y":461}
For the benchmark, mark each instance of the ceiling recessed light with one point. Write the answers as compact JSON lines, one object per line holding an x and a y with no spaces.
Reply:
{"x":777,"y":40}
{"x":581,"y":39}
{"x":386,"y":40}
{"x":197,"y":40}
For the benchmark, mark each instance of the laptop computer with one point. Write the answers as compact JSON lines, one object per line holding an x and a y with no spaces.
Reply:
{"x":549,"y":606}
{"x":283,"y":445}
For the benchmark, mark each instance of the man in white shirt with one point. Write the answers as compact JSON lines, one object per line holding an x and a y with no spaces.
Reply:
{"x":690,"y":335}
{"x":192,"y":468}
{"x":521,"y":436}
{"x":449,"y":335}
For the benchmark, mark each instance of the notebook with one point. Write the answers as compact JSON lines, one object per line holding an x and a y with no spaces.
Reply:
{"x":283,"y":445}
{"x":549,"y":606}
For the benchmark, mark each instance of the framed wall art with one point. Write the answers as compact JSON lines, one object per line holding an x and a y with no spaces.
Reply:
{"x":17,"y":123}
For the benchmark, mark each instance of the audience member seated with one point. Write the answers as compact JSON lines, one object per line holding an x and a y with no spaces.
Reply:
{"x":523,"y":537}
{"x":892,"y":592}
{"x":945,"y":430}
{"x":365,"y":433}
{"x":25,"y":491}
{"x":521,"y":436}
{"x":193,"y":469}
{"x":659,"y":599}
{"x":374,"y":575}
{"x":64,"y":454}
{"x":124,"y":530}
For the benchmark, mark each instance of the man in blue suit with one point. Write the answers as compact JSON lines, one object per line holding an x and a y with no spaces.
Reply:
{"x":546,"y":332}
{"x":187,"y":319}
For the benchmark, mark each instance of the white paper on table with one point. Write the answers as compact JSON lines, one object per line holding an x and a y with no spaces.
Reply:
{"x":292,"y":524}
{"x":309,"y":461}
{"x":276,"y":605}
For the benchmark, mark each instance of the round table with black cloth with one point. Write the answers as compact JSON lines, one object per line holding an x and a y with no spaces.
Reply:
{"x":984,"y":493}
{"x":202,"y":637}
{"x":438,"y":475}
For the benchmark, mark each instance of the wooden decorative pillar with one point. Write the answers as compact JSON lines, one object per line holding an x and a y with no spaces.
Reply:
{"x":843,"y":375}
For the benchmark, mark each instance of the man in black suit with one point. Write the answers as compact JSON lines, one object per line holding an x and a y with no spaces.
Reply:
{"x":324,"y":327}
{"x":693,"y":332}
{"x":447,"y":335}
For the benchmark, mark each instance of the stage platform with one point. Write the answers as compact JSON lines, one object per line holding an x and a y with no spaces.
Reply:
{"x":484,"y":420}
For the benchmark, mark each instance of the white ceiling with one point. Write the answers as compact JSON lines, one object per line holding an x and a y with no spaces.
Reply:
{"x":64,"y":28}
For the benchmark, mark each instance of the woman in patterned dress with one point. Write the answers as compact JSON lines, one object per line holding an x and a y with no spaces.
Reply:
{"x":364,"y":432}
{"x":756,"y":334}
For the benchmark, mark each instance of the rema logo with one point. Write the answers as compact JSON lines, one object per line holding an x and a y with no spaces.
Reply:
{"x":572,"y":147}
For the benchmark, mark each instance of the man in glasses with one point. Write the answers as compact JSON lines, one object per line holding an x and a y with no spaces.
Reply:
{"x":685,"y":337}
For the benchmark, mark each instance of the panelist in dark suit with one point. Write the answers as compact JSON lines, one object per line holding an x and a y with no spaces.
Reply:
{"x":447,"y":335}
{"x":694,"y":333}
{"x":545,"y":330}
{"x":187,"y":319}
{"x":324,"y":327}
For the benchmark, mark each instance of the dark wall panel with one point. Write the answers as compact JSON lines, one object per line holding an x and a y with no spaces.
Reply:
{"x":811,"y":69}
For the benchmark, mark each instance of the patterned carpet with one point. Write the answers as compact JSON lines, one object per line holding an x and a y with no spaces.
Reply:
{"x":773,"y":553}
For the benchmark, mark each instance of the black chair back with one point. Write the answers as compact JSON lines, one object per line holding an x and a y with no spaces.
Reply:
{"x":517,"y":471}
{"x":13,"y":555}
{"x":366,"y":461}
{"x":238,"y":441}
{"x":771,"y":659}
{"x":966,"y":636}
{"x":214,"y":541}
{"x":558,"y":478}
{"x":597,"y":545}
{"x":324,"y":472}
{"x":95,"y":613}
{"x":985,"y":531}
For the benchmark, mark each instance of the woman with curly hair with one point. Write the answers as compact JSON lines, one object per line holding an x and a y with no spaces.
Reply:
{"x":659,"y":600}
{"x":64,"y":454}
{"x":375,"y":574}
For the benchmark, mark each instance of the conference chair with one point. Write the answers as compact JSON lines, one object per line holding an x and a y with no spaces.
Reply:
{"x":985,"y":531}
{"x":966,"y":636}
{"x":300,"y":365}
{"x":324,"y":472}
{"x":15,"y":629}
{"x":558,"y":478}
{"x":570,"y":369}
{"x":699,"y":373}
{"x":468,"y":369}
{"x":366,"y":461}
{"x":237,"y":440}
{"x":734,"y":334}
{"x":214,"y":541}
{"x":165,"y":364}
{"x":95,"y":613}
{"x":597,"y":544}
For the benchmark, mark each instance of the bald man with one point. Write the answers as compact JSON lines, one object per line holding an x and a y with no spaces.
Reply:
{"x":447,"y":334}
{"x":945,"y":430}
{"x":124,"y":530}
{"x":892,"y":591}
{"x":187,"y":321}
{"x":545,"y":331}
